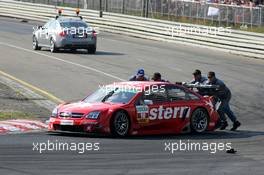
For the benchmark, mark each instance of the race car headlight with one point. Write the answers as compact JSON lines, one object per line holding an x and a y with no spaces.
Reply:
{"x":93,"y":115}
{"x":54,"y":112}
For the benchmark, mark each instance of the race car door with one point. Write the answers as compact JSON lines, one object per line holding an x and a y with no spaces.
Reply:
{"x":150,"y":114}
{"x":181,"y":107}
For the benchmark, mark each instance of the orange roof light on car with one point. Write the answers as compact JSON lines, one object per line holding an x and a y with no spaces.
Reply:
{"x":59,"y":12}
{"x":77,"y":11}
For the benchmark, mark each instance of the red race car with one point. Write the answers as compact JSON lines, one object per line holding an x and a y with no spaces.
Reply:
{"x":137,"y":108}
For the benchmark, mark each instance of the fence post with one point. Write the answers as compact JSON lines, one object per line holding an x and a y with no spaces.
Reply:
{"x":176,"y":10}
{"x":227,"y":17}
{"x":197,"y":12}
{"x":101,"y":9}
{"x":161,"y":8}
{"x":147,"y":8}
{"x":219,"y":17}
{"x":168,"y":10}
{"x":144,"y":8}
{"x":183,"y":10}
{"x":204,"y":12}
{"x":260,"y":17}
{"x":190,"y":13}
{"x":251,"y":17}
{"x":123,"y":6}
{"x":156,"y":9}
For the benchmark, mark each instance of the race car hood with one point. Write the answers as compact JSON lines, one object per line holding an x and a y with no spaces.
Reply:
{"x":82,"y":107}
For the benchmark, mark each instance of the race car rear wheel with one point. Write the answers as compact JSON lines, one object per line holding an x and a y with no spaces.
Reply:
{"x":199,"y":120}
{"x":120,"y":124}
{"x":35,"y":44}
{"x":91,"y":49}
{"x":53,"y":47}
{"x":73,"y":50}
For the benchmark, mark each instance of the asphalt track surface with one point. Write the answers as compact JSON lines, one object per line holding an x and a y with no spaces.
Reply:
{"x":71,"y":76}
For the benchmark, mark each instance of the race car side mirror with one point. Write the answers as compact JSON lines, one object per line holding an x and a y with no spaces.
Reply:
{"x":148,"y":102}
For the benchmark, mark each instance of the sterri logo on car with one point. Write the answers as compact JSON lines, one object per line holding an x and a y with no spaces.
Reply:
{"x":166,"y":113}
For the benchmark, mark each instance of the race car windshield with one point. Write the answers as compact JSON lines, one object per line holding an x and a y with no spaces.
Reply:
{"x":113,"y":96}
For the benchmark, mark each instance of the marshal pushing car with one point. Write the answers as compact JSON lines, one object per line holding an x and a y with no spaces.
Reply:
{"x":64,"y":32}
{"x":137,"y":108}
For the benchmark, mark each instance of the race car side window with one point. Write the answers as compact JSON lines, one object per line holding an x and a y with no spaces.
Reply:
{"x":157,"y":96}
{"x":178,"y":94}
{"x":193,"y":97}
{"x":140,"y":100}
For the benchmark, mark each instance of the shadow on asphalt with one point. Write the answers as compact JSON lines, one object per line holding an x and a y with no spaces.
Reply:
{"x":84,"y":52}
{"x":108,"y":53}
{"x":208,"y":135}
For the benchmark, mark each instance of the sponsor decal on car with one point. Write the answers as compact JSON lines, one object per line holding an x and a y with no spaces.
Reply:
{"x":166,"y":113}
{"x":213,"y":106}
{"x":142,"y":111}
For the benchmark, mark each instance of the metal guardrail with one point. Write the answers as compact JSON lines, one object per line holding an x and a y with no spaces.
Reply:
{"x":237,"y":42}
{"x":193,"y":11}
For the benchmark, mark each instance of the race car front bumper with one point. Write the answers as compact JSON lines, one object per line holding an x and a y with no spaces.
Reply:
{"x":86,"y":126}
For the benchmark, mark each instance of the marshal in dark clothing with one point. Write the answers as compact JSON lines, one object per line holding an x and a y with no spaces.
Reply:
{"x":224,"y":94}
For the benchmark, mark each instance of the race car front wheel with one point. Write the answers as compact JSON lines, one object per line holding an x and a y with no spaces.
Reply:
{"x":120,"y":124}
{"x":199,"y":120}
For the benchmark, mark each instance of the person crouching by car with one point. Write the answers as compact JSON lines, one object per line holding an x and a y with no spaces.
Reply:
{"x":140,"y":76}
{"x":224,"y":94}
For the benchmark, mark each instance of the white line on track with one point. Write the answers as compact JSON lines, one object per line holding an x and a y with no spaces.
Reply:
{"x":65,"y":61}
